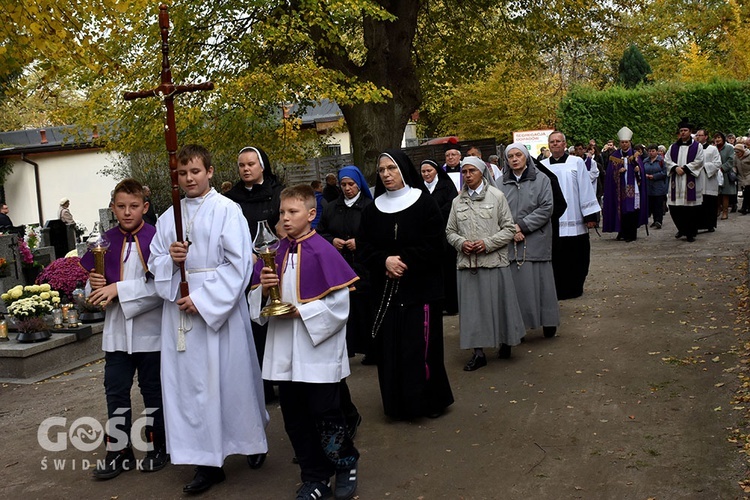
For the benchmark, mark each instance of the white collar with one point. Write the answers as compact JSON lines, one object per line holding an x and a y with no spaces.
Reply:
{"x":352,"y":201}
{"x":395,"y":201}
{"x":431,"y":185}
{"x":199,"y":199}
{"x":477,"y":190}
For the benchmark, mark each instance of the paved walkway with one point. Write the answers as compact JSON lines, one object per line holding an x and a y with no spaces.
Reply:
{"x":631,"y":400}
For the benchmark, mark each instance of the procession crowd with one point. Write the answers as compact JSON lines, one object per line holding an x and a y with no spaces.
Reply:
{"x":367,"y":272}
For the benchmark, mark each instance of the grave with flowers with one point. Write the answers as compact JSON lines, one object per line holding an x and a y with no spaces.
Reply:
{"x":37,"y":350}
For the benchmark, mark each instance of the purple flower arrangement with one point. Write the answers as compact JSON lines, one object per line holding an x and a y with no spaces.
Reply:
{"x":27,"y":258}
{"x":63,"y":275}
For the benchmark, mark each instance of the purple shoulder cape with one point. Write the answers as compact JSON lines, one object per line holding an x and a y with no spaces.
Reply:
{"x":320,"y":267}
{"x":117,"y":251}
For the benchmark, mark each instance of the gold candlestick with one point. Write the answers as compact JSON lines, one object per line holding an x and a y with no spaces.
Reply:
{"x":99,"y":259}
{"x":276,"y":307}
{"x":98,"y":244}
{"x":266,"y":243}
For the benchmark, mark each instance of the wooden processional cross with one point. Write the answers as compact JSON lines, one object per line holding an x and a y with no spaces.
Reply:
{"x":167,"y":92}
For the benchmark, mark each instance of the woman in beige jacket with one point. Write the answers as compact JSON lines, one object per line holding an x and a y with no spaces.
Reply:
{"x":480,"y":226}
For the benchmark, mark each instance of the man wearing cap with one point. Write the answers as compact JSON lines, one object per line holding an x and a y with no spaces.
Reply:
{"x":684,"y":161}
{"x":571,"y":250}
{"x":625,"y":202}
{"x":64,"y":213}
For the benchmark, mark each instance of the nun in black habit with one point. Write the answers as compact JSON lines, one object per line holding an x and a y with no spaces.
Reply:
{"x":400,"y":240}
{"x":443,"y":191}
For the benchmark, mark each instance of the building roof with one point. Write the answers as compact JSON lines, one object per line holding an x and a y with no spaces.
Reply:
{"x":325,"y":112}
{"x":45,"y":140}
{"x":66,"y":138}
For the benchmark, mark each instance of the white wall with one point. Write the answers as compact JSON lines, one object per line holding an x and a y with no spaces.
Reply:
{"x":342,"y":139}
{"x":74,"y":175}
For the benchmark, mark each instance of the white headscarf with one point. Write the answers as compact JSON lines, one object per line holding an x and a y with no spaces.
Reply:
{"x":487,"y":176}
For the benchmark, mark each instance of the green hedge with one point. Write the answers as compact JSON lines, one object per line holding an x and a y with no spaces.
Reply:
{"x":653,"y":111}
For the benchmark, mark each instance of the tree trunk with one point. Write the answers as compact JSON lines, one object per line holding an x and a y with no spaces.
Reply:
{"x":373,"y":128}
{"x":389,"y":64}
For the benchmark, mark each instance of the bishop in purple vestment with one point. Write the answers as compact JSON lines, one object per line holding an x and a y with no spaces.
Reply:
{"x":625,"y":197}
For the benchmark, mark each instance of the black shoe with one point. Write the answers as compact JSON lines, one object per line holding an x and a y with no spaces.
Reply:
{"x":619,"y":237}
{"x":549,"y":331}
{"x":352,"y":425}
{"x":435,"y":413}
{"x":504,"y":352}
{"x":204,"y":478}
{"x":346,"y":483}
{"x":115,"y":463}
{"x":475,"y":363}
{"x":314,"y":490}
{"x":256,"y":461}
{"x":652,"y":224}
{"x":691,"y":239}
{"x":711,"y":229}
{"x":269,"y":392}
{"x":155,"y":460}
{"x":369,"y":360}
{"x":679,"y":235}
{"x":657,"y":225}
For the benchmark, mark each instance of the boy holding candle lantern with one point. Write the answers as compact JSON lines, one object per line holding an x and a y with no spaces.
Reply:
{"x":306,"y":348}
{"x":132,"y":330}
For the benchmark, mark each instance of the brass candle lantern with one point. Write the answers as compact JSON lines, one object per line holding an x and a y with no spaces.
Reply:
{"x":98,"y":244}
{"x":265,"y":244}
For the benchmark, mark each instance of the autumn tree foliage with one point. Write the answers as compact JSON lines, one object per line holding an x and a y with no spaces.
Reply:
{"x":478,"y":67}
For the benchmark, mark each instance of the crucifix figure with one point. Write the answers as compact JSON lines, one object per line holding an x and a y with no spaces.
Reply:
{"x":167,"y":91}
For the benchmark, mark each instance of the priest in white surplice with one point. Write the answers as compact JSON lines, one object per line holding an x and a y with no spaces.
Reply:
{"x":213,"y":394}
{"x":684,"y":162}
{"x":571,"y":250}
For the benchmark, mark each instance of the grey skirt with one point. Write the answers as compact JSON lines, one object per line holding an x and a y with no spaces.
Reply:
{"x":535,"y":289}
{"x":488,"y":308}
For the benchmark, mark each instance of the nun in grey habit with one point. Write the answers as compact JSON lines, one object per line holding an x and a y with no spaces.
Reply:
{"x":480,"y":227}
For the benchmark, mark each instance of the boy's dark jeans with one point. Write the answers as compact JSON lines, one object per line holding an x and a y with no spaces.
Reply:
{"x":317,"y":428}
{"x":119,"y":370}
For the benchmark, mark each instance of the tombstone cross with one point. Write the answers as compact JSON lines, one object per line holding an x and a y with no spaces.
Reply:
{"x":12,"y":246}
{"x":167,"y":91}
